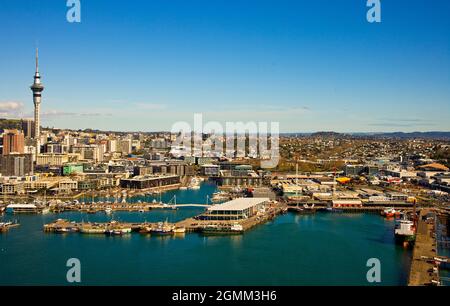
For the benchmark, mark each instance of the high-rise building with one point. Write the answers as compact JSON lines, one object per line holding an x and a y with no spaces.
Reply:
{"x":28,"y":128}
{"x":16,"y":165}
{"x":13,"y":142}
{"x":37,"y":88}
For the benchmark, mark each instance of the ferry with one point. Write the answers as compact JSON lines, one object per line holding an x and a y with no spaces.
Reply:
{"x":405,"y":232}
{"x":213,"y":229}
{"x":390,"y":212}
{"x":22,"y":208}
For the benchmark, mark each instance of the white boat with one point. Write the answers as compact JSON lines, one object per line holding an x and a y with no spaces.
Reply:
{"x":194,"y":184}
{"x":236,"y":227}
{"x":179,"y":230}
{"x":108,"y":210}
{"x":405,"y":231}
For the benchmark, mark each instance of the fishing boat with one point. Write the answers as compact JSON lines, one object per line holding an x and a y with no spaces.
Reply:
{"x":62,"y":230}
{"x":390,"y":212}
{"x":163,"y":228}
{"x":179,"y":230}
{"x":405,"y":232}
{"x":334,"y":210}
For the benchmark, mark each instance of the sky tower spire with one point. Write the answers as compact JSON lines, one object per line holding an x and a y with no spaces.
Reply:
{"x":37,"y":60}
{"x":37,"y":88}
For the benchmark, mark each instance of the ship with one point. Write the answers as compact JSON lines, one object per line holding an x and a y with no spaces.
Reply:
{"x":390,"y":212}
{"x":179,"y":230}
{"x":405,"y":232}
{"x":163,"y":228}
{"x":213,"y":229}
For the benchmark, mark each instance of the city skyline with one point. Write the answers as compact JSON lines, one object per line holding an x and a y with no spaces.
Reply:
{"x":145,"y":70}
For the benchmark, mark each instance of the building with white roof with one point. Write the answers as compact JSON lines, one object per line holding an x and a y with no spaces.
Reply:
{"x":237,"y":209}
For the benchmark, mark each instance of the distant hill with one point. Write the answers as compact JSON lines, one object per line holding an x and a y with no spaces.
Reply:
{"x":424,"y":135}
{"x":326,"y":134}
{"x":411,"y":135}
{"x":10,"y":124}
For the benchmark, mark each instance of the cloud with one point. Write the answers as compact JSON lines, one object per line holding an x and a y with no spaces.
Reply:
{"x":57,"y":113}
{"x":402,"y":122}
{"x":11,"y":108}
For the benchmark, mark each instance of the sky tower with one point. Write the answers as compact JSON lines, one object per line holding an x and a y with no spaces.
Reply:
{"x":37,"y":89}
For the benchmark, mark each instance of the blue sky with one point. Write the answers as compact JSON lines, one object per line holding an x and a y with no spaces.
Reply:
{"x":310,"y":65}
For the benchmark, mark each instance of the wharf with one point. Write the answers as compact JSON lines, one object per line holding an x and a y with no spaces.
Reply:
{"x":189,"y":224}
{"x":61,"y":226}
{"x":5,"y":227}
{"x":131,"y":207}
{"x":196,"y":225}
{"x":421,"y":272}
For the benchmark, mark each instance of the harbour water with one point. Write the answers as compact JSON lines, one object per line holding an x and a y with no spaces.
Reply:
{"x":320,"y":249}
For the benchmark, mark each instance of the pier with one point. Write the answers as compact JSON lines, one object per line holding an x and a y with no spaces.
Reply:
{"x":189,"y":225}
{"x":6,"y":226}
{"x":424,"y":270}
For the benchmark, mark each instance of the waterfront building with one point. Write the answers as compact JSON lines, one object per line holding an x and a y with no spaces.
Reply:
{"x":149,"y":181}
{"x":67,"y":185}
{"x":70,"y":169}
{"x":239,"y":178}
{"x":353,"y":170}
{"x":11,"y":188}
{"x":210,"y":170}
{"x":237,"y":209}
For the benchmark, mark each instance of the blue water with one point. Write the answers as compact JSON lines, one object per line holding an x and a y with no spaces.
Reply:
{"x":320,"y":249}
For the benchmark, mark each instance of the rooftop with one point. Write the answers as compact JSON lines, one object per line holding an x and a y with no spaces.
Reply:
{"x":435,"y":166}
{"x":238,"y":204}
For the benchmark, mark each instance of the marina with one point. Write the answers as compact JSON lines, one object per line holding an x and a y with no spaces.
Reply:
{"x":192,"y":224}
